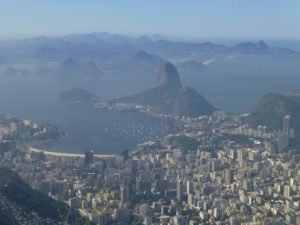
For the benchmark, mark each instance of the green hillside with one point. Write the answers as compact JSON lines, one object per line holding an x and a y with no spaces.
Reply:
{"x":22,"y":194}
{"x":77,"y":94}
{"x":6,"y":218}
{"x":270,"y":111}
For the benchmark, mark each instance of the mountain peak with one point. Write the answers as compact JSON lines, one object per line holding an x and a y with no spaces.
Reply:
{"x":84,"y":71}
{"x":261,"y":45}
{"x":168,"y":75}
{"x":170,"y":97}
{"x":251,"y":47}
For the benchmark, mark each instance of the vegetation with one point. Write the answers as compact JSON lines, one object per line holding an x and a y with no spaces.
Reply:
{"x":238,"y":139}
{"x":185,"y":143}
{"x":22,"y":194}
{"x":134,"y":220}
{"x":6,"y":218}
{"x":272,"y":108}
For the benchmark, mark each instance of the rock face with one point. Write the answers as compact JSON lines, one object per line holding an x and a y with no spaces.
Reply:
{"x":139,"y":62}
{"x":170,"y":97}
{"x":168,"y":75}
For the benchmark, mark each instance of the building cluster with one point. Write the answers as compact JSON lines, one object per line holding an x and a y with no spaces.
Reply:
{"x":282,"y":137}
{"x":13,"y":129}
{"x":231,"y":183}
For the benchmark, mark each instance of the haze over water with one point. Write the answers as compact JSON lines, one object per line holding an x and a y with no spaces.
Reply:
{"x":234,"y":85}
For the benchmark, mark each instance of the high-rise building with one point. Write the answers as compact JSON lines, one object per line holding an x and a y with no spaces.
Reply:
{"x":240,"y":155}
{"x":189,"y":187}
{"x":286,"y":124}
{"x":287,"y":191}
{"x":160,"y":186}
{"x":89,"y":155}
{"x":217,"y":213}
{"x":282,"y":141}
{"x":124,"y":194}
{"x":190,"y":199}
{"x":248,"y":184}
{"x":228,"y":176}
{"x":233,"y":220}
{"x":143,"y":183}
{"x":125,"y":155}
{"x":75,"y":202}
{"x":179,"y":195}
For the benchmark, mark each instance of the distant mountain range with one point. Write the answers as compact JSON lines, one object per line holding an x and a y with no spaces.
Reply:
{"x":119,"y":54}
{"x":85,"y":71}
{"x":215,"y":49}
{"x":250,"y":48}
{"x":139,"y":62}
{"x":170,"y":97}
{"x":98,"y":45}
{"x":85,"y":57}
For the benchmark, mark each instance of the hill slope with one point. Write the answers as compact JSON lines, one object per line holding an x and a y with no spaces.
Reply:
{"x":77,"y":95}
{"x":170,"y":97}
{"x":17,"y":191}
{"x":82,"y":71}
{"x":271,"y":109}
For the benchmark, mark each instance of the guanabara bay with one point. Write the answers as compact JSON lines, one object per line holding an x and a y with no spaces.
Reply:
{"x":150,"y":112}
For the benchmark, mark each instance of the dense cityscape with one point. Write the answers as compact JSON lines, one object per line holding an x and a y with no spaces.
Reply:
{"x":220,"y":181}
{"x":150,"y":112}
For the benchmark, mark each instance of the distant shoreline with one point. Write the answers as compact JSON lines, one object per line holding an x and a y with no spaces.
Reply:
{"x":61,"y":154}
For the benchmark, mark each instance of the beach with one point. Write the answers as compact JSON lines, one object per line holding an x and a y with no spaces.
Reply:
{"x":61,"y":154}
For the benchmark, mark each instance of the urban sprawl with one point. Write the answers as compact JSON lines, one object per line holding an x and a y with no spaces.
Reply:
{"x":217,"y":170}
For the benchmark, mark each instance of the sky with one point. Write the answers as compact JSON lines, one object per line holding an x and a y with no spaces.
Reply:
{"x":189,"y":19}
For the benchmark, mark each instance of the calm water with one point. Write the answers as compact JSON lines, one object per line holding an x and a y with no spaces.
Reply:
{"x":89,"y":129}
{"x":234,"y":85}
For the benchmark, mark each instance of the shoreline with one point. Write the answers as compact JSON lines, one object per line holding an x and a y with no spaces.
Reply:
{"x":150,"y":114}
{"x":62,"y":154}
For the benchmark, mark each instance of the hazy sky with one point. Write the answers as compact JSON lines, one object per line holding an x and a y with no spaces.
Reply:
{"x":176,"y":18}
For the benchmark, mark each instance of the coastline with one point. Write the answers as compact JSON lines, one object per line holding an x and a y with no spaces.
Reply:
{"x":36,"y":148}
{"x":61,"y":154}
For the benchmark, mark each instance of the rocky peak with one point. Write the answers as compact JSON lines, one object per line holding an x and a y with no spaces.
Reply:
{"x":168,"y":75}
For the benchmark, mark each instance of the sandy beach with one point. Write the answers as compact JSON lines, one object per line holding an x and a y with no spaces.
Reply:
{"x":32,"y":149}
